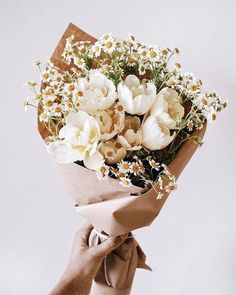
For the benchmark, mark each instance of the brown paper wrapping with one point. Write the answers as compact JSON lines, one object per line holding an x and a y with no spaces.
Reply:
{"x":112,"y":208}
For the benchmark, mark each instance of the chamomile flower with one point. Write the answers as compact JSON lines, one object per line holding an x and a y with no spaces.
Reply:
{"x":30,"y":84}
{"x":124,"y":181}
{"x":96,"y":49}
{"x":136,"y":168}
{"x":44,"y":116}
{"x":79,"y":62}
{"x":131,"y":61}
{"x":46,"y":76}
{"x":155,"y":165}
{"x":48,"y":102}
{"x":212,"y":115}
{"x":57,"y":110}
{"x":171,"y":186}
{"x":142,"y":68}
{"x":143,"y":52}
{"x":102,"y":172}
{"x":152,"y":55}
{"x":124,"y":166}
{"x":190,"y":125}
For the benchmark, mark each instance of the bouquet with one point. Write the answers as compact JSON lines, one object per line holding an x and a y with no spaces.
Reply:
{"x":121,"y":119}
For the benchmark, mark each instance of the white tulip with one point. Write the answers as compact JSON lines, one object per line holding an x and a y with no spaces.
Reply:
{"x":167,"y":108}
{"x":136,"y":98}
{"x":130,"y":136}
{"x":155,"y":136}
{"x":110,"y":121}
{"x":79,"y":140}
{"x":112,"y":151}
{"x":96,"y":94}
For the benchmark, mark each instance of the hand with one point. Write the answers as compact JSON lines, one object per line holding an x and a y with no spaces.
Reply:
{"x":84,"y":263}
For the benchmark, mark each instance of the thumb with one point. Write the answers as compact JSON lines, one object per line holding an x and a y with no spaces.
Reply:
{"x":109,"y":245}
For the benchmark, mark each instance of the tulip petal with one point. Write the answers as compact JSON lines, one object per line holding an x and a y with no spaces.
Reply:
{"x":93,"y":161}
{"x":126,"y":98}
{"x":64,"y":153}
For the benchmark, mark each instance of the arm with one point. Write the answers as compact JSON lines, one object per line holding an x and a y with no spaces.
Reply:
{"x":84,"y":263}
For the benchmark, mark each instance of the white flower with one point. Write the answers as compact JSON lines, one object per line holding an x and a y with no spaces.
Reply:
{"x":79,"y":139}
{"x":155,"y":136}
{"x":96,"y":49}
{"x":124,"y":167}
{"x":171,"y":186}
{"x":167,"y":108}
{"x":136,"y":98}
{"x":212,"y":115}
{"x":110,"y":122}
{"x":79,"y":62}
{"x":57,"y":110}
{"x":44,"y":116}
{"x":130,"y":136}
{"x":126,"y":182}
{"x":137,"y":168}
{"x":112,"y":151}
{"x":155,"y":165}
{"x":102,"y":172}
{"x":142,"y":68}
{"x":108,"y":43}
{"x":97,"y":94}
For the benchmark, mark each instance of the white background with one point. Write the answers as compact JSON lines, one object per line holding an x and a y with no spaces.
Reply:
{"x":192,"y":245}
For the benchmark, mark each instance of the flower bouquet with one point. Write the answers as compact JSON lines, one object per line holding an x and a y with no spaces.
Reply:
{"x":121,"y":121}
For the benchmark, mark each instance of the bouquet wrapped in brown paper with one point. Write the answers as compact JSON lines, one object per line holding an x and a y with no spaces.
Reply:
{"x":121,"y":122}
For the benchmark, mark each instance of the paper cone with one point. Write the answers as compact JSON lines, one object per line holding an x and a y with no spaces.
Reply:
{"x":110,"y":207}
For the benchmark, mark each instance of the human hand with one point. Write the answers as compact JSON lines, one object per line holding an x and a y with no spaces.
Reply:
{"x":84,"y":263}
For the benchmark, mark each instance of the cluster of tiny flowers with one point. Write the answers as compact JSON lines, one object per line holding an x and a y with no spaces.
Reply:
{"x":102,"y":77}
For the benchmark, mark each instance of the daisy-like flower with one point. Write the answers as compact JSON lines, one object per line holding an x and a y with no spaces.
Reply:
{"x":153,"y":55}
{"x":212,"y":115}
{"x":143,"y":52}
{"x":79,"y":62}
{"x":57,"y":110}
{"x":131,"y":61}
{"x":124,"y":167}
{"x":190,"y":125}
{"x":49,"y":102}
{"x":96,"y":49}
{"x":108,"y":43}
{"x":30,"y":84}
{"x":69,"y":88}
{"x":137,"y":168}
{"x":102,"y":172}
{"x":126,"y":182}
{"x":46,"y":76}
{"x":171,"y":186}
{"x":155,"y":165}
{"x":43,"y":117}
{"x":142,"y":68}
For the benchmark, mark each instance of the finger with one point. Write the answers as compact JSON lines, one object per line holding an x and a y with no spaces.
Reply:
{"x":84,"y":233}
{"x":109,"y":245}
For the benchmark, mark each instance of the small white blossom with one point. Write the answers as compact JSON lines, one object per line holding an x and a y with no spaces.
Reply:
{"x":126,"y":182}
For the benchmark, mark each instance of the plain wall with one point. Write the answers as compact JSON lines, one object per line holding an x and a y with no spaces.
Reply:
{"x":192,"y":244}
